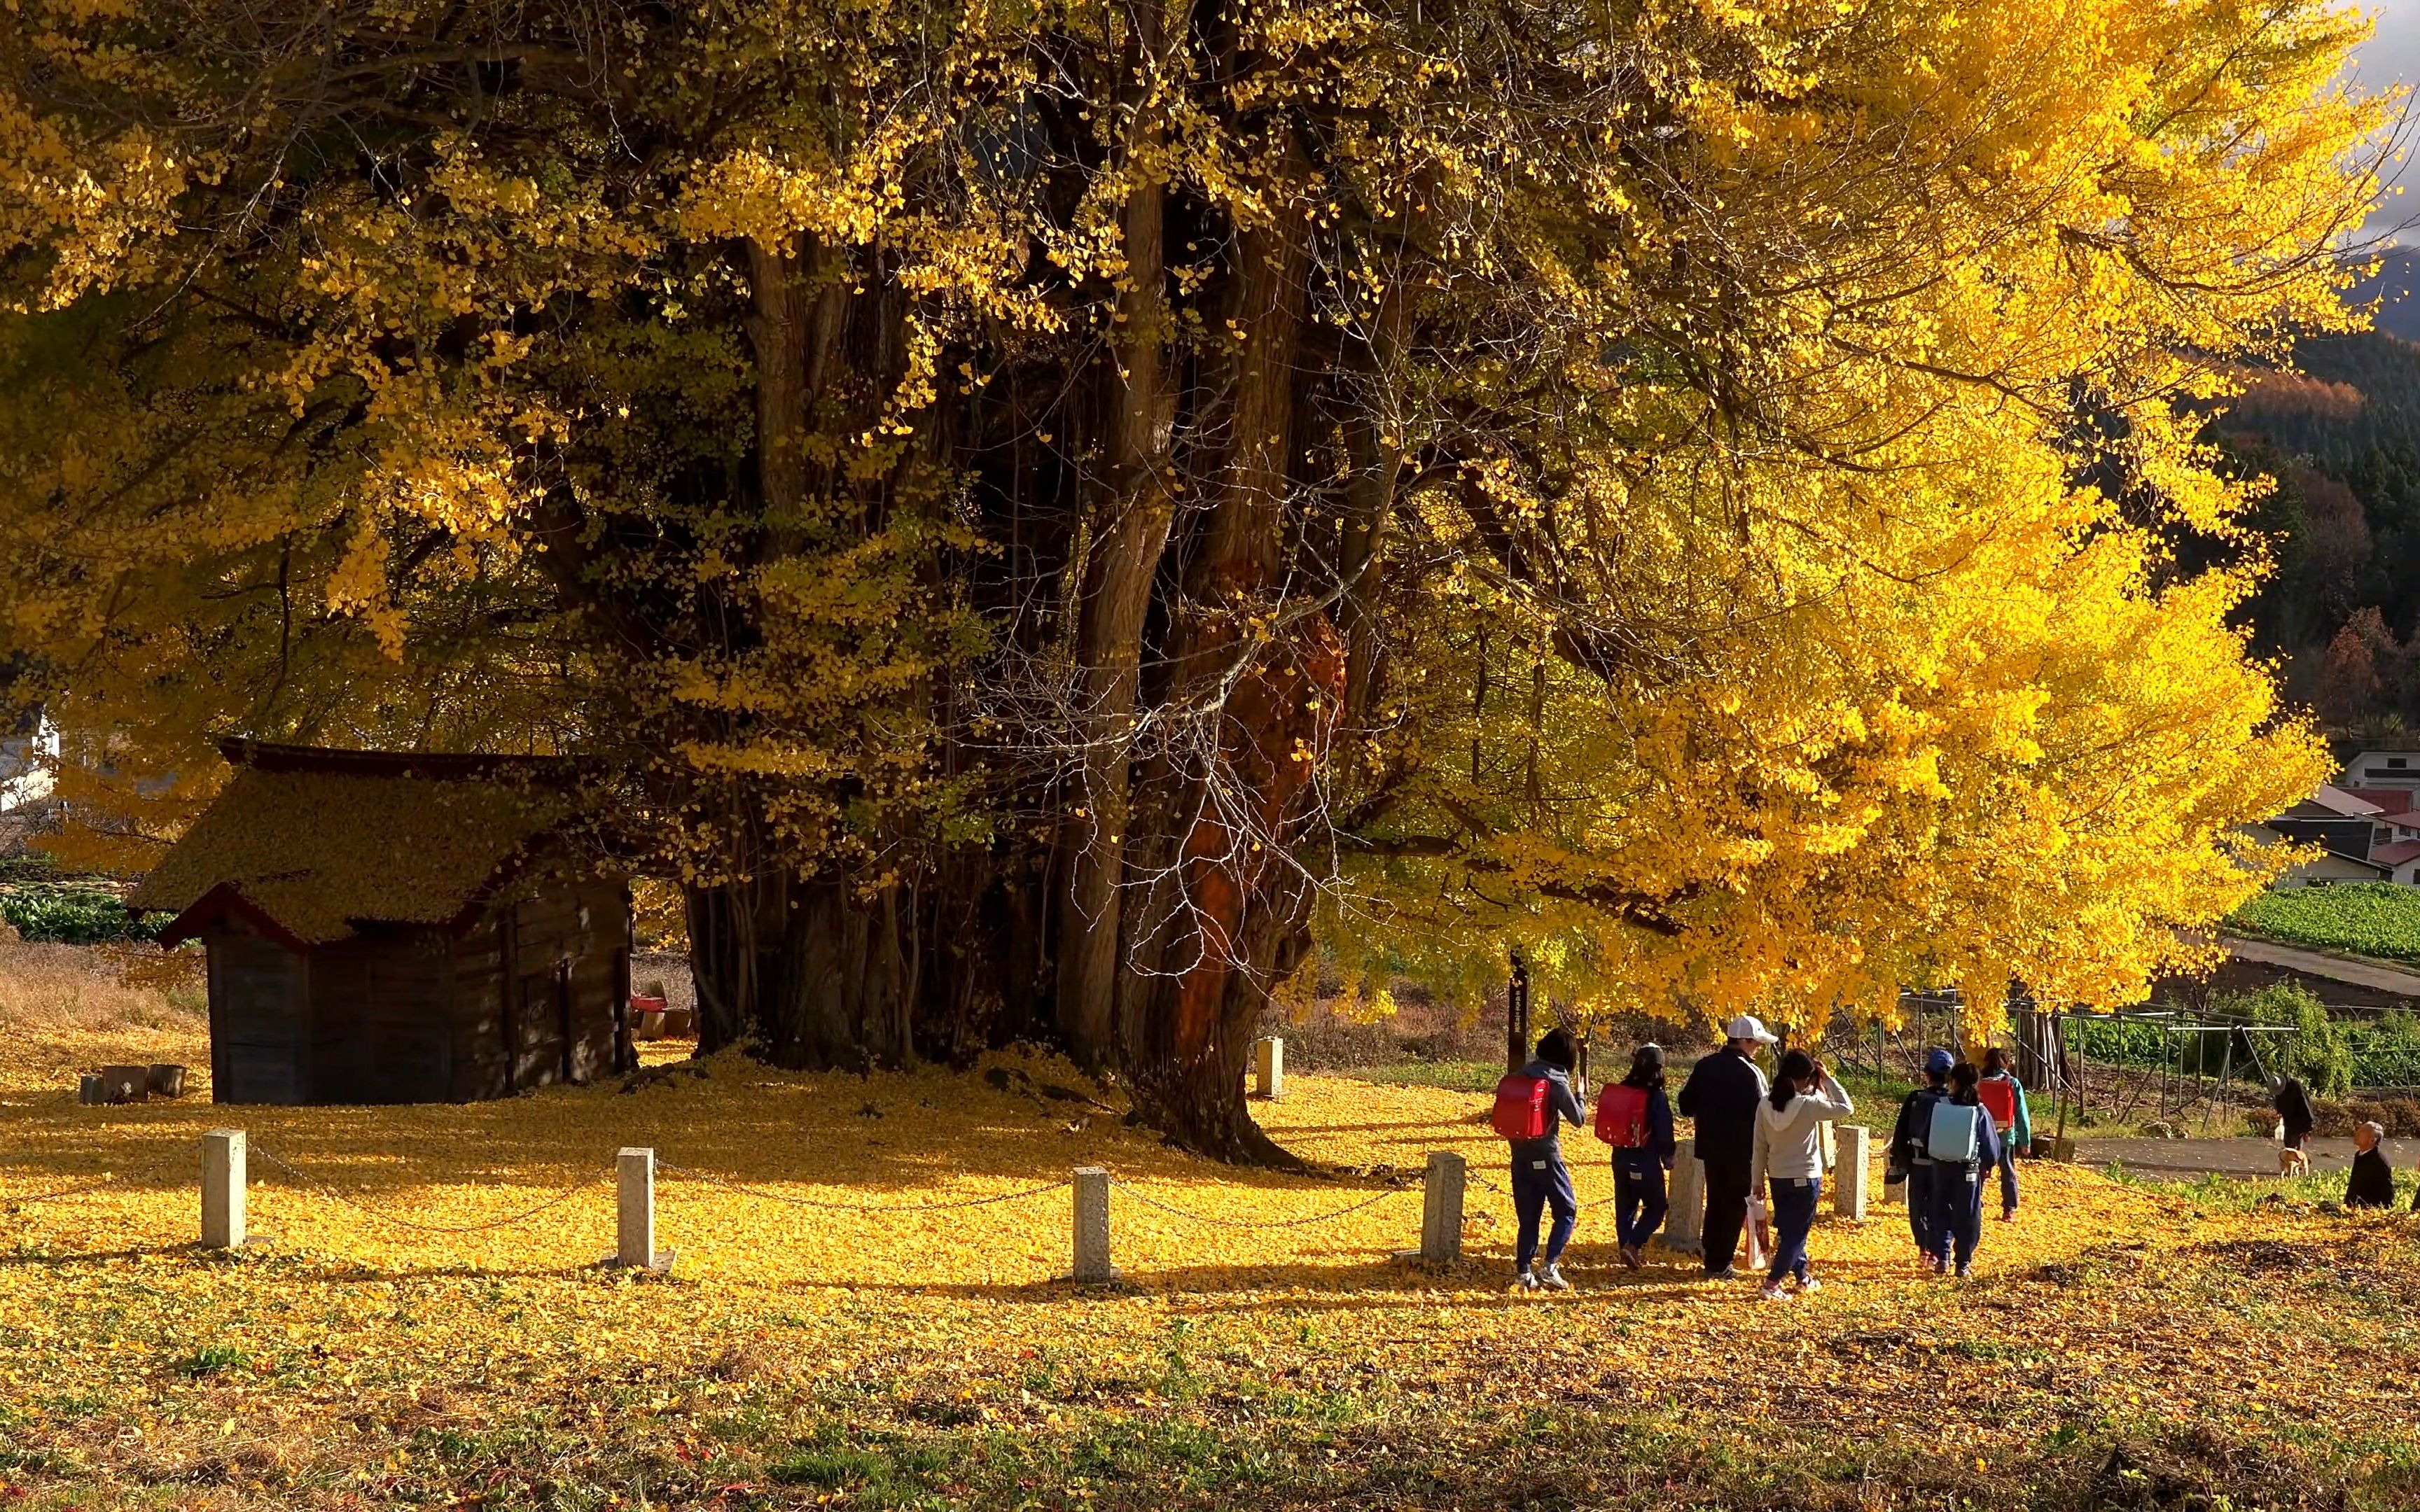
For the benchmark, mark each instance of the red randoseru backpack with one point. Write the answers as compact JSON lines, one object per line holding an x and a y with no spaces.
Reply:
{"x":1622,"y":1115}
{"x":1521,"y":1107}
{"x":1999,"y":1096}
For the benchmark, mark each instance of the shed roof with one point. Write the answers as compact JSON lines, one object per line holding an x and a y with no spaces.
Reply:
{"x":307,"y":842}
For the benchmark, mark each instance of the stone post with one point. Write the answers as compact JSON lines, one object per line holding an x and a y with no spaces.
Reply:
{"x":1684,"y":1226}
{"x":1268,"y":1068}
{"x":634,"y":1228}
{"x":1441,"y":1206}
{"x":1093,"y":1225}
{"x":1852,"y":1177}
{"x":222,"y":1179}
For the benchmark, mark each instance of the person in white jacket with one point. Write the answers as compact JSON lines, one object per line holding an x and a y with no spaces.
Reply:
{"x":1788,"y":1155}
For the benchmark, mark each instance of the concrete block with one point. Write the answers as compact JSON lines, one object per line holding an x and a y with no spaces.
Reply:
{"x":1441,"y":1206}
{"x":223,"y":1182}
{"x":1685,"y":1228}
{"x":634,"y":1223}
{"x":1268,"y":1068}
{"x":1852,"y":1177}
{"x":1093,"y":1225}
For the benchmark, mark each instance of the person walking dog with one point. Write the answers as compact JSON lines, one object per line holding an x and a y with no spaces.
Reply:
{"x":1722,"y":1094}
{"x":1788,"y":1161}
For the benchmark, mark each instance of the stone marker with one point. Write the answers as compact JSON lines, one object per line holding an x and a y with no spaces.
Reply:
{"x":1268,"y":1068}
{"x":1093,"y":1225}
{"x":166,"y":1080}
{"x":88,"y":1090}
{"x":125,"y":1083}
{"x":1684,"y":1225}
{"x":634,"y":1225}
{"x":1441,"y":1206}
{"x":1853,"y":1175}
{"x":222,"y":1179}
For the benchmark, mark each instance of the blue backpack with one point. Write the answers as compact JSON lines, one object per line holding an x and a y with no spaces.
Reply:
{"x":1956,"y":1137}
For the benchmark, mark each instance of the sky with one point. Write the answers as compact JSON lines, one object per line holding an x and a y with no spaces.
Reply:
{"x":2392,"y":56}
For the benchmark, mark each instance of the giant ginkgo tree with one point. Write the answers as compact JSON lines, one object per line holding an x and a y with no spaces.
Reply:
{"x":1046,"y":516}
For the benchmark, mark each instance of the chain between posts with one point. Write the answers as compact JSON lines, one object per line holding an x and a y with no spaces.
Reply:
{"x":61,"y":1195}
{"x":320,"y":1188}
{"x":821,"y":1206}
{"x":1137,"y":1193}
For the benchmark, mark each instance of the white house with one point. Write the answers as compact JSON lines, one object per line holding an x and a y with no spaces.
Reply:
{"x":2383,"y":769}
{"x":29,"y":761}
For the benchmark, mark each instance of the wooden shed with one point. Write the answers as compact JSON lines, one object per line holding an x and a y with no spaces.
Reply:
{"x":393,"y":928}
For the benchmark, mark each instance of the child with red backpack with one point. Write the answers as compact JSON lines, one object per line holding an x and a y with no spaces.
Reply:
{"x":1634,"y":1116}
{"x":2005,"y":1096}
{"x":1532,"y":1106}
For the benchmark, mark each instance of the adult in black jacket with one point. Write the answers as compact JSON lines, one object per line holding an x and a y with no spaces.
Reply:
{"x":2371,"y":1181}
{"x":2295,"y":1119}
{"x":1722,"y":1094}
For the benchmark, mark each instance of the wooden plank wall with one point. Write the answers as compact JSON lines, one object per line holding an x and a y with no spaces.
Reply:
{"x":259,"y":993}
{"x":478,"y":1013}
{"x":525,"y":996}
{"x":510,"y":971}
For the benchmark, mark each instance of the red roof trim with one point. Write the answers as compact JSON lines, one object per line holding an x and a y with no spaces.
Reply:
{"x":224,"y":899}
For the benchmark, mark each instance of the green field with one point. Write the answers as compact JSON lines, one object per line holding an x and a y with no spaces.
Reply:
{"x":2380,"y":918}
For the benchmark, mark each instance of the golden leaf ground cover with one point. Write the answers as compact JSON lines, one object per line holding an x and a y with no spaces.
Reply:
{"x":2120,"y":1346}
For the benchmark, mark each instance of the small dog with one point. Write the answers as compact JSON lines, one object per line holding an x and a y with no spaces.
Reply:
{"x":2291,"y":1161}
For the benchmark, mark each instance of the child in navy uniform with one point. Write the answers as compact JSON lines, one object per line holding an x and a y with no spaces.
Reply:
{"x":1639,"y":1202}
{"x":1540,"y":1178}
{"x":1961,"y":1149}
{"x":1908,"y":1160}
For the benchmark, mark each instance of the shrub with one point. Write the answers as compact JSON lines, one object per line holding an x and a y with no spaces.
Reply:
{"x":68,"y":914}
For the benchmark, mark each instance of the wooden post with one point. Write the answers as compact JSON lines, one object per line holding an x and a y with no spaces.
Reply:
{"x":1268,"y":1068}
{"x":634,"y":1228}
{"x":1441,"y":1206}
{"x":1093,"y":1225}
{"x":1685,"y":1228}
{"x":1853,"y":1173}
{"x":222,"y":1179}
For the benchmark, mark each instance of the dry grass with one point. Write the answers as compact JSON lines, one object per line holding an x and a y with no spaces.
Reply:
{"x":69,"y":1006}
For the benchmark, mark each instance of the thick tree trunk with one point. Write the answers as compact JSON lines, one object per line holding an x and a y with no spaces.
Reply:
{"x":804,"y":972}
{"x":1120,"y":566}
{"x":1220,"y":909}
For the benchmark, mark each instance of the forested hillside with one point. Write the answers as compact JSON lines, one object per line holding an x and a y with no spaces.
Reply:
{"x":2342,"y":439}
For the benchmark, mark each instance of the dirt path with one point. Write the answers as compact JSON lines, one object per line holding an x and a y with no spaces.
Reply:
{"x":2228,"y":1157}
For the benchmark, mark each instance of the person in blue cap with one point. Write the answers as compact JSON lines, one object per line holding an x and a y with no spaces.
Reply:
{"x":1964,"y":1145}
{"x":1909,"y":1160}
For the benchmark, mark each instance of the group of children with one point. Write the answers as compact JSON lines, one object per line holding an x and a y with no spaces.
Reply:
{"x":1754,"y":1138}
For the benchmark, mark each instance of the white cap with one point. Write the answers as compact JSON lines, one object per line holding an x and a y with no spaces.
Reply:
{"x":1748,"y":1026}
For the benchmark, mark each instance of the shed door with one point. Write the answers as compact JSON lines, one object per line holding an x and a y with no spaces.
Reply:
{"x":257,"y":1022}
{"x":539,"y":1026}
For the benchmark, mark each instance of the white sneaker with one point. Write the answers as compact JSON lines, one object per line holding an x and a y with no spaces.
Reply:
{"x":1771,"y":1293}
{"x":1526,"y":1281}
{"x":1810,"y":1284}
{"x":1552,"y":1279}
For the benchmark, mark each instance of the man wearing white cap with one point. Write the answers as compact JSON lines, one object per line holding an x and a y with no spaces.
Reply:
{"x":1722,"y":1095}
